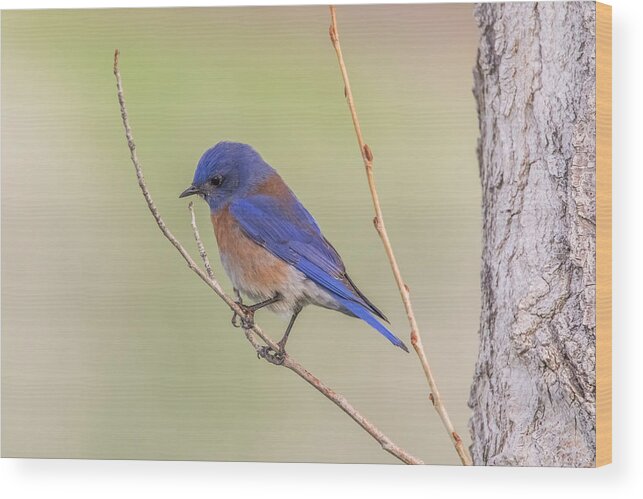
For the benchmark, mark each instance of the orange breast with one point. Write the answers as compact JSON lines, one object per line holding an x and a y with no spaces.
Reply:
{"x":251,"y":268}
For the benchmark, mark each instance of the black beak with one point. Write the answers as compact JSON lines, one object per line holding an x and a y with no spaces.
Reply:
{"x":190,"y":191}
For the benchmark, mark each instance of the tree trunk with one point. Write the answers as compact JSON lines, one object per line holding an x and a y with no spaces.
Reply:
{"x":533,"y":393}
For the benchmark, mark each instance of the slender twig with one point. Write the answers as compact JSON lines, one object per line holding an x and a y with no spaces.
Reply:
{"x":251,"y":332}
{"x":199,"y":243}
{"x":378,"y":221}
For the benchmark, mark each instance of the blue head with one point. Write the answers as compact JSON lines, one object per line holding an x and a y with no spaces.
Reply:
{"x":227,"y":171}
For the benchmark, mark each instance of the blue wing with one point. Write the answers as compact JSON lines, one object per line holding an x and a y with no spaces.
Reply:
{"x":288,"y":231}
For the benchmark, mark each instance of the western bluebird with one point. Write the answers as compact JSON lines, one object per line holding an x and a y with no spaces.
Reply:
{"x":270,"y":246}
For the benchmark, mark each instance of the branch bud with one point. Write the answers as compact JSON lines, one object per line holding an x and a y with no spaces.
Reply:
{"x":333,"y":33}
{"x":414,"y":337}
{"x":377,"y":224}
{"x":368,"y":154}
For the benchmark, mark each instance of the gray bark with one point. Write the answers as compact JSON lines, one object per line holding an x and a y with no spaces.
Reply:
{"x":533,"y":394}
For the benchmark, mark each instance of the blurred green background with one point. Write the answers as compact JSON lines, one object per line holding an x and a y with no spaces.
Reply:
{"x":112,"y":348}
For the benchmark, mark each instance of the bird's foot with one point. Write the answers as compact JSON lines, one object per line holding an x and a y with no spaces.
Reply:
{"x":272,"y":356}
{"x":282,"y":345}
{"x":246,"y":320}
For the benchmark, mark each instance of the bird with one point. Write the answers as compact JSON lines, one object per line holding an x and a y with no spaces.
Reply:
{"x":270,"y":246}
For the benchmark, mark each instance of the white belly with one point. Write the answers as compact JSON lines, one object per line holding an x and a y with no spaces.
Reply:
{"x":295,"y":290}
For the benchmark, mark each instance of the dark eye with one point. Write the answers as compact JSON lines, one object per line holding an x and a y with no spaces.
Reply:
{"x":216,"y":180}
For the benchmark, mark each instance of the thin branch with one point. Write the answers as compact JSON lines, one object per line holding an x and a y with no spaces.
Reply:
{"x":251,"y":333}
{"x":199,"y":243}
{"x":378,"y":221}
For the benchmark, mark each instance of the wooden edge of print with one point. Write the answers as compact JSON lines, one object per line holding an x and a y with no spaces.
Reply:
{"x":603,"y":234}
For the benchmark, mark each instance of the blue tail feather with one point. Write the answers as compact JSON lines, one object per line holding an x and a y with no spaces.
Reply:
{"x":361,"y":312}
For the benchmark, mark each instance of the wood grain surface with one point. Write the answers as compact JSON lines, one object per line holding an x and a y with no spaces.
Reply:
{"x":603,"y":234}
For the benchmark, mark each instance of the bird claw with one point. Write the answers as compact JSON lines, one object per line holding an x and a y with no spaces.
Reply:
{"x":235,"y":320}
{"x":272,"y":356}
{"x":246,"y":321}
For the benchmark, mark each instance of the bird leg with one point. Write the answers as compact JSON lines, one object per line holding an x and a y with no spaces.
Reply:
{"x":247,"y":321}
{"x":284,"y":339}
{"x":277,"y":357}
